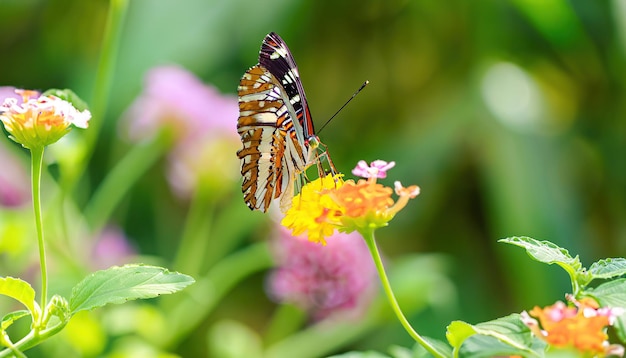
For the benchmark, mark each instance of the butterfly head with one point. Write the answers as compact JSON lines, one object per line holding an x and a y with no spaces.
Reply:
{"x":313,"y":142}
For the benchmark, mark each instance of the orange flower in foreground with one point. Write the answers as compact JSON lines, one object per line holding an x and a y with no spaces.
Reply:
{"x":581,"y":326}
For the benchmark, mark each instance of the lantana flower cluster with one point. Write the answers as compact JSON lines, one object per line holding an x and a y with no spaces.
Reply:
{"x":330,"y":203}
{"x":580,"y":326}
{"x":36,"y":120}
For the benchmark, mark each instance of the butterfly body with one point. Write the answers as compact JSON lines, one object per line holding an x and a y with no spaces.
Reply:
{"x":275,"y":126}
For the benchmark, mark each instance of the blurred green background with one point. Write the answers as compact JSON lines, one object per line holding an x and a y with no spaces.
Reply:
{"x":510,"y":116}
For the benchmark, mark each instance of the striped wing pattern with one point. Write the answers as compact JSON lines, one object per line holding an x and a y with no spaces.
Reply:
{"x":275,"y":126}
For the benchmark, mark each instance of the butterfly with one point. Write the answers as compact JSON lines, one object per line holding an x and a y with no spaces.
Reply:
{"x":276,"y":128}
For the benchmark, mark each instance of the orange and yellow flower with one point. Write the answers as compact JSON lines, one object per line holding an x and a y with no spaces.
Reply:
{"x":39,"y":120}
{"x":580,"y":326}
{"x":325,"y":205}
{"x":313,"y":211}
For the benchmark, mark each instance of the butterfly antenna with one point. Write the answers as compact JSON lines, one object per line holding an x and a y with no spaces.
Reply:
{"x":345,"y":104}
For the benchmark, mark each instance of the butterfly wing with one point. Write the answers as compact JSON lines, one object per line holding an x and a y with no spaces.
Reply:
{"x":275,"y":127}
{"x":276,"y":57}
{"x":270,"y":155}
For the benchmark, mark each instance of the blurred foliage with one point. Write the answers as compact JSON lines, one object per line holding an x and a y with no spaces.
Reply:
{"x":509,"y":115}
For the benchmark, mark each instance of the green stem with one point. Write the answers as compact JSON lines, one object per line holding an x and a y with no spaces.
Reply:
{"x":33,"y":338}
{"x":11,"y":347}
{"x":106,"y":69}
{"x":368,"y":235}
{"x":201,"y":298}
{"x":122,"y":177}
{"x":195,"y":237}
{"x":102,"y":88}
{"x":286,"y":320}
{"x":36,"y":167}
{"x":323,"y":338}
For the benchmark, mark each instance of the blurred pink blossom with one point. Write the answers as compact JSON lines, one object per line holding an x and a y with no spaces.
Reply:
{"x":203,"y":119}
{"x":208,"y":161}
{"x":111,"y":248}
{"x":176,"y":97}
{"x":339,"y":277}
{"x":14,"y":178}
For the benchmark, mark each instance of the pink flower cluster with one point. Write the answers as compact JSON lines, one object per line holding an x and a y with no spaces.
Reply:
{"x":202,"y":119}
{"x":338,"y":278}
{"x":14,"y":180}
{"x":173,"y":96}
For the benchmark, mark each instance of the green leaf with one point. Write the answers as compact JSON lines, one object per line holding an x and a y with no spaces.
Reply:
{"x":612,"y":294}
{"x":21,"y":291}
{"x":547,"y":252}
{"x":506,"y":335}
{"x":10,"y":318}
{"x":482,"y":346}
{"x":458,"y":331}
{"x":69,"y":96}
{"x":121,"y":284}
{"x":608,"y":268}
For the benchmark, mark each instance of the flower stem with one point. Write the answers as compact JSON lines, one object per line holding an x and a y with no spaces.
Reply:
{"x":11,"y":347}
{"x":105,"y":70}
{"x":122,"y":177}
{"x":102,"y":88}
{"x":33,"y":338}
{"x":36,"y":167}
{"x":370,"y":240}
{"x":210,"y":289}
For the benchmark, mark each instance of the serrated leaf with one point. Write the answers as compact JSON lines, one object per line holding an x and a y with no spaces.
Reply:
{"x":546,"y":252}
{"x":482,"y":346}
{"x":9,"y":318}
{"x":121,"y":284}
{"x":506,"y":334}
{"x":608,"y":268}
{"x":21,"y":291}
{"x":612,"y":294}
{"x":509,"y":329}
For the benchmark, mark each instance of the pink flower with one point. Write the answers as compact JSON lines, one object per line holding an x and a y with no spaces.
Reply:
{"x":14,"y":180}
{"x":204,"y":122}
{"x":377,"y":169}
{"x":111,"y":248}
{"x":174,"y":96}
{"x":204,"y":161}
{"x":339,"y":277}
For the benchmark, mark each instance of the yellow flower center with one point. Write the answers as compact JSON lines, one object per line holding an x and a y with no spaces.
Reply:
{"x":313,"y":211}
